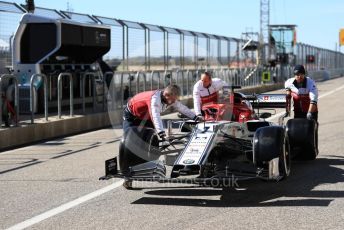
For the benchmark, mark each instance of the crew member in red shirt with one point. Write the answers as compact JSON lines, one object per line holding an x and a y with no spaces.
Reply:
{"x":144,"y":109}
{"x":206,"y":91}
{"x":304,"y":93}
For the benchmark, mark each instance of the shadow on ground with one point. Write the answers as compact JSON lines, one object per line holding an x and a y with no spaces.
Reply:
{"x":299,"y":189}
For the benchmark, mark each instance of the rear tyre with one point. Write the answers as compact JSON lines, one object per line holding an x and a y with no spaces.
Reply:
{"x":303,"y":136}
{"x":269,"y":143}
{"x":138,"y":145}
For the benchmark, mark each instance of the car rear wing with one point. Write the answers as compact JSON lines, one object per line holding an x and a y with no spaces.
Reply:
{"x":260,"y":100}
{"x":269,"y":101}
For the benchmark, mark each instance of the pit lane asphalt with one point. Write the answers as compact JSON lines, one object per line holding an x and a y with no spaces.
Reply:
{"x":42,"y":177}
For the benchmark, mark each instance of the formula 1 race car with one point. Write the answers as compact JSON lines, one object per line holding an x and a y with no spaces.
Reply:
{"x":234,"y":142}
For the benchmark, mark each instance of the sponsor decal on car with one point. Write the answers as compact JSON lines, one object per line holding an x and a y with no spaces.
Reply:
{"x":271,"y":98}
{"x":188,"y":161}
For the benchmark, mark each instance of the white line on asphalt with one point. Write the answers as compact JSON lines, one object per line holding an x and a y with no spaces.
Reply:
{"x":331,"y":92}
{"x":321,"y":96}
{"x":66,"y":206}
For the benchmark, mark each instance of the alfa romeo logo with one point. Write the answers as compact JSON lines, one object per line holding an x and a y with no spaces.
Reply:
{"x":188,"y":161}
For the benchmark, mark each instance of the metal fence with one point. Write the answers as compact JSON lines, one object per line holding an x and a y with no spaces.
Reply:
{"x":140,"y":46}
{"x":128,"y":83}
{"x":323,"y":58}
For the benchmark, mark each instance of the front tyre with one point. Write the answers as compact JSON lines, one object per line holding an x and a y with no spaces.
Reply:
{"x":138,"y":145}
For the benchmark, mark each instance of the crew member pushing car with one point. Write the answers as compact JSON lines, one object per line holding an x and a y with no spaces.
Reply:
{"x":304,"y":93}
{"x":144,"y":109}
{"x":206,"y":91}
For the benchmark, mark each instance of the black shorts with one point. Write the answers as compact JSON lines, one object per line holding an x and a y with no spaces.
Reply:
{"x":130,"y":120}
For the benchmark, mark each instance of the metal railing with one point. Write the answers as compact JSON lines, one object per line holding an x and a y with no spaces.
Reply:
{"x":16,"y":96}
{"x":138,"y":82}
{"x":105,"y":83}
{"x":214,"y":52}
{"x":152,"y":79}
{"x":158,"y":79}
{"x":168,"y":75}
{"x":59,"y":93}
{"x":83,"y":85}
{"x":32,"y":88}
{"x":188,"y":74}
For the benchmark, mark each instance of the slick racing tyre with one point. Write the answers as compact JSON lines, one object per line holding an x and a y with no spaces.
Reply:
{"x":138,"y":145}
{"x":269,"y":143}
{"x":303,"y":137}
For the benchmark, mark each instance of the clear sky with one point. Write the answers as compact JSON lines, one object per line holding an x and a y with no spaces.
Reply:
{"x":318,"y":21}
